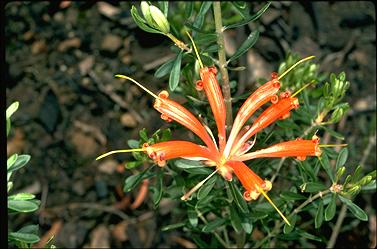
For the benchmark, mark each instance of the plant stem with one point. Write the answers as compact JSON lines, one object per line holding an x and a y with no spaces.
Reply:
{"x":338,"y":224}
{"x":223,"y":243}
{"x":222,"y":63}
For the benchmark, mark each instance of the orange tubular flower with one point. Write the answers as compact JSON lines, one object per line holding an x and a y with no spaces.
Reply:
{"x":160,"y":152}
{"x":297,"y":148}
{"x":279,"y":110}
{"x":261,"y":96}
{"x":171,"y":110}
{"x":229,"y":157}
{"x":215,"y":97}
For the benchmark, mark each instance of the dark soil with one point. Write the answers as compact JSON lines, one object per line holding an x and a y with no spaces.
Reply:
{"x":60,"y":62}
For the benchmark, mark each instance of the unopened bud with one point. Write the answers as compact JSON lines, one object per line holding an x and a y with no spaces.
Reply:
{"x":146,"y":13}
{"x":365,"y":180}
{"x":354,"y":190}
{"x":340,"y":172}
{"x":160,"y":19}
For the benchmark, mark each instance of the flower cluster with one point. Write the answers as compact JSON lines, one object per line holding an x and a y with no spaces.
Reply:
{"x":228,"y":153}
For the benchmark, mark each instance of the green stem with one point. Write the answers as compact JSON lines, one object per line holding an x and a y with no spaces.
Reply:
{"x":223,"y":243}
{"x":222,"y":63}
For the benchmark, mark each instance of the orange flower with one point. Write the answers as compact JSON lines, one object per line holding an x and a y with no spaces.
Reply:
{"x":229,"y":154}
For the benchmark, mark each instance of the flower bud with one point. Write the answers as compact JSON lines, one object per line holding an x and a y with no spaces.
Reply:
{"x":146,"y":13}
{"x":160,"y":20}
{"x":340,"y":172}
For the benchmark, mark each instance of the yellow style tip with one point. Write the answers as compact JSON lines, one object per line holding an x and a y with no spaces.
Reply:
{"x":295,"y":65}
{"x":137,"y":83}
{"x":332,"y":145}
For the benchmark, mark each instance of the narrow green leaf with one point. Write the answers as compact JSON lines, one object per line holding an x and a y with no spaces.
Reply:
{"x":24,"y":237}
{"x":309,"y":236}
{"x":312,"y":187}
{"x":241,"y":8}
{"x":213,"y":225}
{"x":246,"y":45}
{"x":193,"y":167}
{"x":175,"y":72}
{"x":342,"y":158}
{"x":164,"y":69}
{"x":199,"y":19}
{"x":206,"y":188}
{"x":157,"y":191}
{"x":246,"y":223}
{"x":173,"y":226}
{"x":331,"y":208}
{"x":324,"y":160}
{"x":249,"y":19}
{"x":134,"y":180}
{"x":21,"y":196}
{"x":235,"y":219}
{"x":24,"y":206}
{"x":237,"y":196}
{"x":8,"y":126}
{"x":21,"y":161}
{"x":141,"y":23}
{"x":355,"y":210}
{"x":289,"y":228}
{"x":192,"y":217}
{"x":319,"y":215}
{"x":333,"y":133}
{"x":290,"y":196}
{"x":205,"y":39}
{"x":33,"y":229}
{"x":12,"y":109}
{"x":11,"y":160}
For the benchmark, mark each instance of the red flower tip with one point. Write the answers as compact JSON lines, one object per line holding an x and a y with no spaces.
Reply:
{"x":163,"y":94}
{"x":274,"y":75}
{"x":274,"y":99}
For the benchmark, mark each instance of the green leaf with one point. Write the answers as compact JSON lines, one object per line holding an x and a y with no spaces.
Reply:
{"x":131,"y":181}
{"x":331,"y":208}
{"x":319,"y":215}
{"x":342,"y":158}
{"x":141,"y":23}
{"x":289,"y":228}
{"x":205,"y":39}
{"x":33,"y":229}
{"x":309,"y":236}
{"x":324,"y":160}
{"x":240,"y":7}
{"x":206,"y":188}
{"x":12,"y":109}
{"x":160,"y":19}
{"x":11,"y":160}
{"x":213,"y":225}
{"x":21,"y":196}
{"x":133,"y":164}
{"x":21,"y":161}
{"x":312,"y":187}
{"x":249,"y":19}
{"x":291,"y":196}
{"x":193,"y":167}
{"x":246,"y":223}
{"x":173,"y":226}
{"x":143,"y":134}
{"x":192,"y":217}
{"x":164,"y":69}
{"x":235,"y":219}
{"x":24,"y":206}
{"x":175,"y":72}
{"x":24,"y":237}
{"x":157,"y":191}
{"x":8,"y":126}
{"x":246,"y":45}
{"x":355,"y":210}
{"x":199,"y":19}
{"x":134,"y":144}
{"x":237,"y":196}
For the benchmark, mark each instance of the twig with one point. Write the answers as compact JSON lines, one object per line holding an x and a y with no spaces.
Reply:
{"x":55,"y":228}
{"x":223,"y":63}
{"x":338,"y":224}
